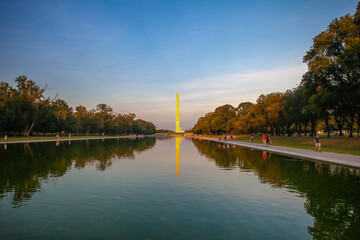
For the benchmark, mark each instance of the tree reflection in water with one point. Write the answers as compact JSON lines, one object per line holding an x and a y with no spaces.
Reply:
{"x":332,"y":193}
{"x":23,"y":167}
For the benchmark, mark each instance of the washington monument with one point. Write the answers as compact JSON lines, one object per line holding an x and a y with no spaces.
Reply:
{"x":177,"y":126}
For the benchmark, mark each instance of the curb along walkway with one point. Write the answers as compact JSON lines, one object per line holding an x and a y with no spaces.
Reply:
{"x":328,"y":157}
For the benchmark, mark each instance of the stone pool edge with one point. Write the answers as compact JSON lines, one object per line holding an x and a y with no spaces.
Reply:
{"x":72,"y":139}
{"x":346,"y":160}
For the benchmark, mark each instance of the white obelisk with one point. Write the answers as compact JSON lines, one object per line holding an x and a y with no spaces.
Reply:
{"x":177,"y":125}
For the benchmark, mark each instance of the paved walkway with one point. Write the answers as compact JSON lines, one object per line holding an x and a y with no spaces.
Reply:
{"x":329,"y":157}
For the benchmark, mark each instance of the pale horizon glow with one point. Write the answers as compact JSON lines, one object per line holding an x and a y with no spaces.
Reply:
{"x":136,"y":55}
{"x":196,"y":101}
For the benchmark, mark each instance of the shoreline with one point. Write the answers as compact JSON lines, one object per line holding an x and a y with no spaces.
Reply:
{"x":71,"y":139}
{"x":347,"y":160}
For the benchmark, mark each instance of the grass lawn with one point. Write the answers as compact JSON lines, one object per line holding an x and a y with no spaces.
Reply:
{"x":48,"y":138}
{"x":332,"y":144}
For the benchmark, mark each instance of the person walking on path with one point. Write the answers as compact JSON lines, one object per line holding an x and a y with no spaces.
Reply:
{"x":264,"y":139}
{"x":317,"y":142}
{"x":251,"y":138}
{"x":267,"y":140}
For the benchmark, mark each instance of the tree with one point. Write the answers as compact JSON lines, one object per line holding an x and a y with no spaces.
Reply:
{"x":335,"y":53}
{"x":47,"y":117}
{"x":264,"y":115}
{"x":238,"y":122}
{"x":105,"y":112}
{"x":84,"y":117}
{"x":129,"y":122}
{"x":244,"y":123}
{"x":273,"y":111}
{"x":294,"y":102}
{"x":222,"y":116}
{"x":218,"y":122}
{"x":243,"y":108}
{"x":145,"y":127}
{"x":27,"y":96}
{"x":7,"y":114}
{"x":63,"y":114}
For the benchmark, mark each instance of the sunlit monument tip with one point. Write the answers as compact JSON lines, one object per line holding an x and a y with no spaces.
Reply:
{"x":177,"y":126}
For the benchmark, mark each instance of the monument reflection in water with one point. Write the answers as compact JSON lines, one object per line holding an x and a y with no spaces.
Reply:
{"x":177,"y":149}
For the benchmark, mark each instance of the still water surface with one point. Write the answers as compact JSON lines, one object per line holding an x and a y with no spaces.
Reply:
{"x":173,"y":188}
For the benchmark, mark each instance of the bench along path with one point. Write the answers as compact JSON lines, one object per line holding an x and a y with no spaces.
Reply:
{"x":329,"y":157}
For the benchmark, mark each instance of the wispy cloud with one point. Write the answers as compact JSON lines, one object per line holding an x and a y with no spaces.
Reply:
{"x":200,"y":96}
{"x":279,"y":77}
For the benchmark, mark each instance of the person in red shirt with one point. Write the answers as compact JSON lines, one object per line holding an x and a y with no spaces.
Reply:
{"x":264,"y":139}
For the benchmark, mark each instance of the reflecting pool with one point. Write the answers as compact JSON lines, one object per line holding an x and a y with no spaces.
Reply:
{"x":171,"y":188}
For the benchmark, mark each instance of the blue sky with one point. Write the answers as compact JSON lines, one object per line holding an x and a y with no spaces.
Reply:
{"x":135,"y":55}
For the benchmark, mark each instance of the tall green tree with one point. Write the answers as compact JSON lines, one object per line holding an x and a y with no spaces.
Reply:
{"x":105,"y":113}
{"x":47,"y":118}
{"x":7,"y":111}
{"x":335,"y":53}
{"x":63,"y":113}
{"x":85,"y":119}
{"x":27,"y":96}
